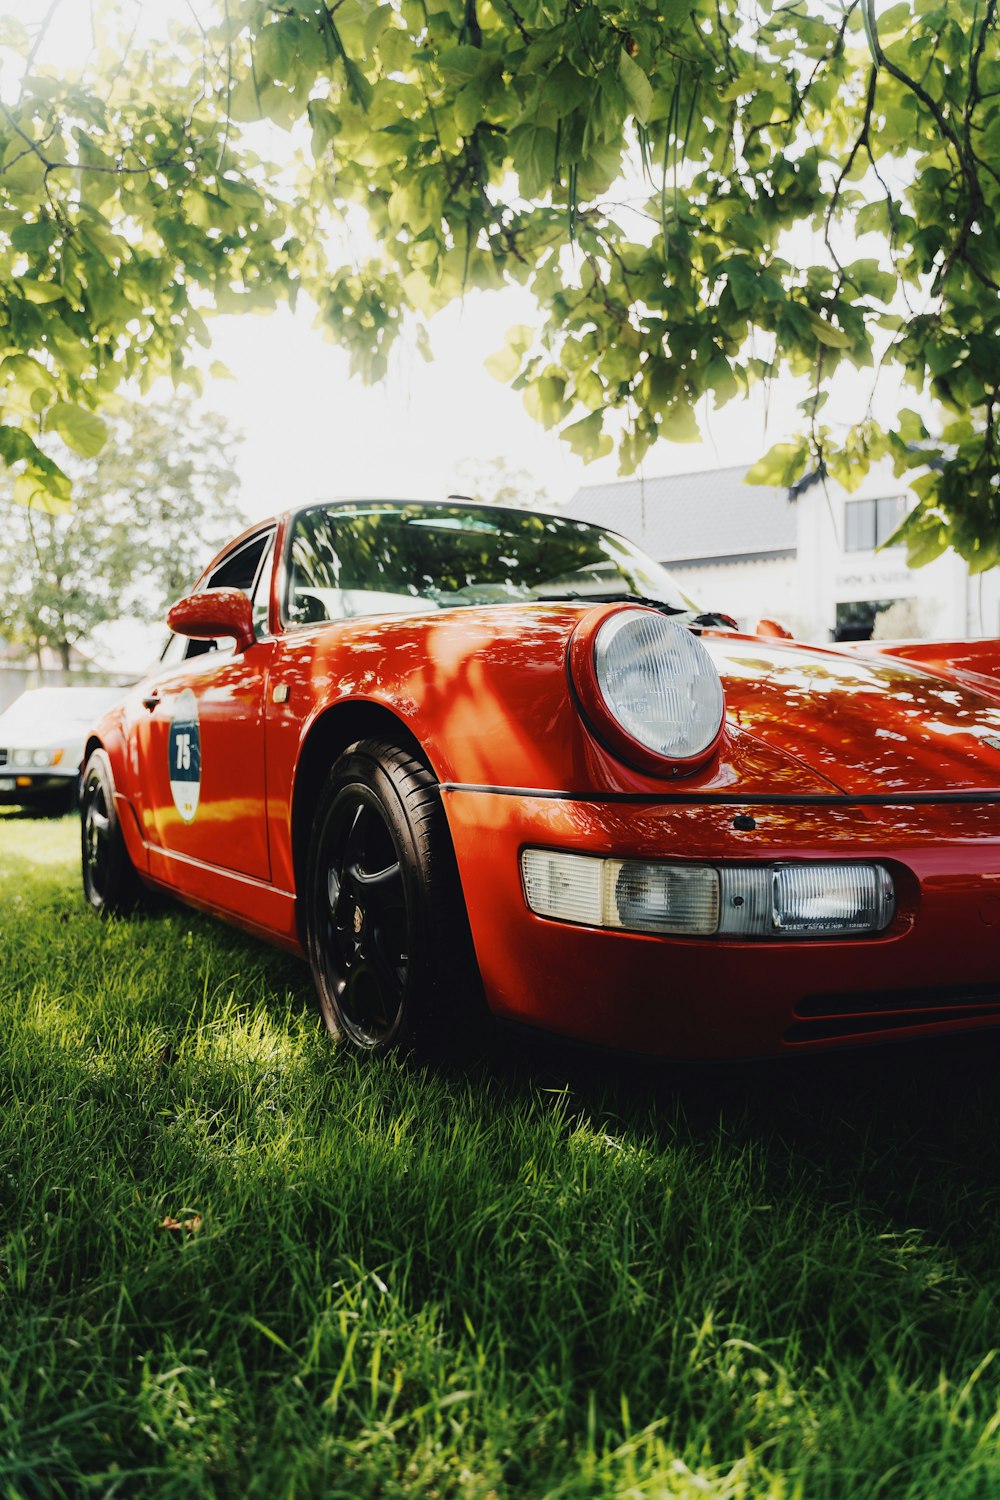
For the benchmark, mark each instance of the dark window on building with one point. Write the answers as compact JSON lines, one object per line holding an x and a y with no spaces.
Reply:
{"x":869,"y":523}
{"x":856,"y":619}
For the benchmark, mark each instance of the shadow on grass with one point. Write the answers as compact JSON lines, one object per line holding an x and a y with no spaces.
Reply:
{"x":907,"y":1129}
{"x":21,"y":814}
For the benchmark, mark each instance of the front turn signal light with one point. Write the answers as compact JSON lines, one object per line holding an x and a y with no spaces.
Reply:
{"x":821,"y":899}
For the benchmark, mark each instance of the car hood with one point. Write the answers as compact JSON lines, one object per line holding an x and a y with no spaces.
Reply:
{"x":869,"y":725}
{"x":25,"y":739}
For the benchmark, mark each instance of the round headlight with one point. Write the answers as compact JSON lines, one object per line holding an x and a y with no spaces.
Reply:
{"x":21,"y":757}
{"x":653,"y":688}
{"x":40,"y":758}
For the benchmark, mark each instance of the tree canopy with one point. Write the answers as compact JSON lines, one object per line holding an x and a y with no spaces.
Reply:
{"x":680,"y":183}
{"x":126,"y":211}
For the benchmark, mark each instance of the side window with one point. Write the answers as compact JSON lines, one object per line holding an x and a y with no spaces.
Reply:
{"x":239,"y":569}
{"x":261,"y":596}
{"x":174,"y":651}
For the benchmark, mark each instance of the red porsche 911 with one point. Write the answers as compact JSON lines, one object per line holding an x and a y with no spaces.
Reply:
{"x":458,"y":755}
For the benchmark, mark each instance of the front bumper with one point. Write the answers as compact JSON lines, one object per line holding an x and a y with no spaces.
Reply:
{"x":936,"y":968}
{"x":25,"y":788}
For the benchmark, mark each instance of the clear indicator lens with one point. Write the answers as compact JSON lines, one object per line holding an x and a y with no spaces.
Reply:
{"x":691,"y":900}
{"x":565,"y":886}
{"x":832,"y":898}
{"x":664,"y":898}
{"x":659,"y":682}
{"x":628,"y":894}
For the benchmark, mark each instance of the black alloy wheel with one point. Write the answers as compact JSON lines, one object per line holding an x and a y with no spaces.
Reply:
{"x":384,"y":905}
{"x":110,"y":883}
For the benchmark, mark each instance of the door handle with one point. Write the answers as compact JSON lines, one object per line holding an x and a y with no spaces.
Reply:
{"x":151,"y":701}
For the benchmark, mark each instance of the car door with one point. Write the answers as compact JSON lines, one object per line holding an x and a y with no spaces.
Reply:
{"x":201,"y":740}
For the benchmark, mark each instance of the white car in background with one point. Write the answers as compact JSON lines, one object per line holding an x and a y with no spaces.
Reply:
{"x":42,"y":735}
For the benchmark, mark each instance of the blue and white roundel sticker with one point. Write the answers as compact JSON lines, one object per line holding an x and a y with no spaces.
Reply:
{"x":185,"y":755}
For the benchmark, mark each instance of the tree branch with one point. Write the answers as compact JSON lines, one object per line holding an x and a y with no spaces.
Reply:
{"x":43,"y":27}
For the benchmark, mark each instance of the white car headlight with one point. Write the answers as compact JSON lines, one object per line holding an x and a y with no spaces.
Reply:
{"x":21,"y":757}
{"x":659,"y":682}
{"x":40,"y":757}
{"x":648,"y":688}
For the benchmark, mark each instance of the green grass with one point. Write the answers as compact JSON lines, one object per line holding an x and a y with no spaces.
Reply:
{"x":555,"y":1276}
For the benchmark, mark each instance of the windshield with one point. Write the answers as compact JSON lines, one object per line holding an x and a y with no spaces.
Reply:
{"x":394,"y":557}
{"x":42,"y":710}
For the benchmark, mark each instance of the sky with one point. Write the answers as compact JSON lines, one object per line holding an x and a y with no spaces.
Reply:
{"x":312,"y":431}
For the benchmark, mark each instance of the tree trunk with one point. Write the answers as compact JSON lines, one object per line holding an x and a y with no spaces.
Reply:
{"x":64,"y":656}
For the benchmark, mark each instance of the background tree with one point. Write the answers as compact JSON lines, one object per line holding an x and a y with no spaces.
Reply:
{"x":149,"y":509}
{"x":496,"y":482}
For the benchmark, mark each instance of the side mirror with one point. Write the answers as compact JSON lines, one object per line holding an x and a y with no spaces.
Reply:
{"x":213,"y":613}
{"x":774,"y":629}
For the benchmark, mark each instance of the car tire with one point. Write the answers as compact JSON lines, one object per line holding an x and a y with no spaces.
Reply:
{"x":110,"y":883}
{"x":387,"y":932}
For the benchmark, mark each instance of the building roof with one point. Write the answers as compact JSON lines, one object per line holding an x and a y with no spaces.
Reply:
{"x":694,"y":517}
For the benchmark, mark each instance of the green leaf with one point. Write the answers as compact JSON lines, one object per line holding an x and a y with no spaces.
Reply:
{"x":459,"y":64}
{"x":781,"y":465}
{"x":17,"y":446}
{"x":678,"y":423}
{"x":586,"y":437}
{"x":325,"y":126}
{"x":637,"y":86}
{"x":721,"y":378}
{"x":84,"y":431}
{"x":533,"y":149}
{"x":33,"y":490}
{"x":469,"y":107}
{"x":39,"y":291}
{"x":395,"y":49}
{"x":245,"y":101}
{"x":545,"y":399}
{"x":14,"y":34}
{"x":833,"y":338}
{"x":742,"y":277}
{"x":27,"y":373}
{"x":504,"y":364}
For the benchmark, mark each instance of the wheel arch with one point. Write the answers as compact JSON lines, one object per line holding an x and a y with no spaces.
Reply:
{"x":328,"y":736}
{"x":94,"y":742}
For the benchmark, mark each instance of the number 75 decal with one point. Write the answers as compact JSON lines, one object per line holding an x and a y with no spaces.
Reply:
{"x":184,"y":748}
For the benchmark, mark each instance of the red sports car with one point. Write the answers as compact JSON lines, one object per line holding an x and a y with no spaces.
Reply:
{"x":455,"y":753}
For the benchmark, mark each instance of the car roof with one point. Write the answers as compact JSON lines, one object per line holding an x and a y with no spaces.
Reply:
{"x":349,"y":501}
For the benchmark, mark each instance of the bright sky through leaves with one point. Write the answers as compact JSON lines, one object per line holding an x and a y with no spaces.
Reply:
{"x":488,"y":110}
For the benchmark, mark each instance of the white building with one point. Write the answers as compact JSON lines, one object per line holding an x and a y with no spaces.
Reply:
{"x":807,"y":557}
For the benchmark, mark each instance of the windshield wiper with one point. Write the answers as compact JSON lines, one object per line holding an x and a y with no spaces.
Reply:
{"x":575,"y":596}
{"x":712,"y":619}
